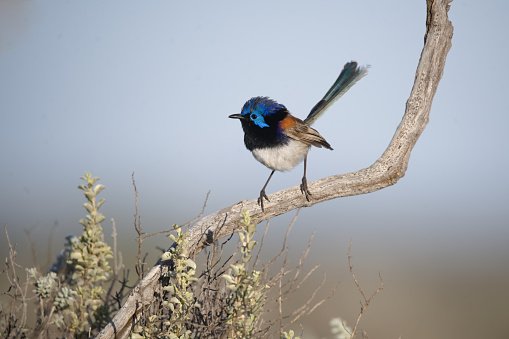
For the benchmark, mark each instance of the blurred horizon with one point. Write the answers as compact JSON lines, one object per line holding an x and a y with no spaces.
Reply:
{"x":119,"y":88}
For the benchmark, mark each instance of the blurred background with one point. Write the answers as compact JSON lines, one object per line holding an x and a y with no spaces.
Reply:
{"x":118,"y":87}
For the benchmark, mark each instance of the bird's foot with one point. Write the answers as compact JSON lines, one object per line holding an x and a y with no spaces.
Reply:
{"x":260,"y":199}
{"x":304,"y":189}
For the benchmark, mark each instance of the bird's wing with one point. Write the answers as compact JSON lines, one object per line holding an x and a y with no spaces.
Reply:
{"x":346,"y":79}
{"x":303,"y":132}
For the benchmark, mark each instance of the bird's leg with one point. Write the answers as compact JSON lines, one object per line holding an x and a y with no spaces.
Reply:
{"x":262,"y":192}
{"x":304,"y":186}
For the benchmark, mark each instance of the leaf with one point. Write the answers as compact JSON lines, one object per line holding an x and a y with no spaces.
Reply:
{"x":99,"y":218}
{"x":166,"y":256}
{"x":169,"y":288}
{"x":246,"y":258}
{"x":251,"y":228}
{"x":89,"y":195}
{"x":75,"y":255}
{"x":228,"y":278}
{"x":88,"y":206}
{"x":98,"y":188}
{"x":235,"y":269}
{"x":191,"y":264}
{"x":100,"y":203}
{"x":251,"y":244}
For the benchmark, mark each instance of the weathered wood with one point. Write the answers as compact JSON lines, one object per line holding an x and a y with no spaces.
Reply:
{"x":386,"y":171}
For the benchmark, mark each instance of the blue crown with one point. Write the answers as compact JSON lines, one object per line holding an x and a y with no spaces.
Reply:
{"x":260,"y":107}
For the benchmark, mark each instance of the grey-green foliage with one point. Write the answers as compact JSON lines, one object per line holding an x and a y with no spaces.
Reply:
{"x":246,"y":302}
{"x":45,"y":285}
{"x":181,"y":300}
{"x":181,"y":277}
{"x":182,"y":315}
{"x":70,"y":295}
{"x":72,"y":300}
{"x":289,"y":335}
{"x":88,"y":263}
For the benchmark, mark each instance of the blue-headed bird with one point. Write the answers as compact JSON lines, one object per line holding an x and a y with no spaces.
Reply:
{"x":281,"y":141}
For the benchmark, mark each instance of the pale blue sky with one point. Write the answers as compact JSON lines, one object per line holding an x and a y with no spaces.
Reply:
{"x":115,"y":87}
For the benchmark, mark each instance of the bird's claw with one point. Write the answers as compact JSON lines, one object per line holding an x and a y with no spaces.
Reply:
{"x":304,"y":189}
{"x":260,"y":199}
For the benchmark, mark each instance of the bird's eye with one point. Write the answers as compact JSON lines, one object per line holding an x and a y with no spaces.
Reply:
{"x":254,"y":116}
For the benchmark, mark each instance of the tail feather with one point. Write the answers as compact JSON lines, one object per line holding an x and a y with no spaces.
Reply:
{"x":347,"y":78}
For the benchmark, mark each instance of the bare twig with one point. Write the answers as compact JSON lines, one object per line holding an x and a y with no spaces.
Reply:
{"x":287,"y":287}
{"x":365,"y":303}
{"x":255,"y":263}
{"x":116,"y":266}
{"x":20,"y":292}
{"x":139,"y":231}
{"x":183,"y":225}
{"x":114,"y":234}
{"x":49,"y":247}
{"x":28,"y":234}
{"x":283,"y":248}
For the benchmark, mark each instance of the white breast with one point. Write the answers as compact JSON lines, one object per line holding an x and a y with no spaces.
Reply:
{"x":282,"y":158}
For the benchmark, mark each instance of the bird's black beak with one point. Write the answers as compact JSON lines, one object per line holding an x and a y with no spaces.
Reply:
{"x":236,"y":116}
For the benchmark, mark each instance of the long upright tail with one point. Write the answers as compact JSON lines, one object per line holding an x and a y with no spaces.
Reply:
{"x":347,"y":78}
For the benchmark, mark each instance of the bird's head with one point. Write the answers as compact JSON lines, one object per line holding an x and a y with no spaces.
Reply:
{"x":260,"y":111}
